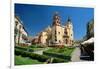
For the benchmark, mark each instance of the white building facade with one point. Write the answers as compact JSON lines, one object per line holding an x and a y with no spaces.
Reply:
{"x":20,"y":32}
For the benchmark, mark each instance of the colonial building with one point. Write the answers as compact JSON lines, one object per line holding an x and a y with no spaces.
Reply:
{"x":35,"y":40}
{"x":20,"y":33}
{"x":90,"y":29}
{"x":56,"y":31}
{"x":87,"y":46}
{"x":57,"y":34}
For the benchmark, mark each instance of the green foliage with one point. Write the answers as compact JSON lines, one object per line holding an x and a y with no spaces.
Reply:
{"x":58,"y":60}
{"x":58,"y":55}
{"x":41,"y":58}
{"x":22,"y":48}
{"x":63,"y":53}
{"x":66,"y":51}
{"x":33,"y":46}
{"x":19,"y":60}
{"x":30,"y":48}
{"x":18,"y":52}
{"x":36,"y":46}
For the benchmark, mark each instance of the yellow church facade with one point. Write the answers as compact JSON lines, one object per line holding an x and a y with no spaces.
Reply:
{"x":57,"y":34}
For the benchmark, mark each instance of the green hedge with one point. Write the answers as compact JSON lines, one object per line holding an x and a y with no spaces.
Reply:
{"x":58,"y":55}
{"x":19,"y":60}
{"x":36,"y":46}
{"x":25,"y":48}
{"x":33,"y":46}
{"x":41,"y":58}
{"x":30,"y":49}
{"x":18,"y":51}
{"x":22,"y":48}
{"x":58,"y":60}
{"x":34,"y":49}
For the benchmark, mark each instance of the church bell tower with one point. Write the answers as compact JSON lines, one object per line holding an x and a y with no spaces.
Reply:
{"x":57,"y":32}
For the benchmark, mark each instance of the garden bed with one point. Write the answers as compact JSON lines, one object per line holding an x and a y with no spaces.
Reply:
{"x":63,"y":53}
{"x":40,"y":58}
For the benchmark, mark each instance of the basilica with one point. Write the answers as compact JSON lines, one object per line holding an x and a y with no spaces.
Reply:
{"x":57,"y":34}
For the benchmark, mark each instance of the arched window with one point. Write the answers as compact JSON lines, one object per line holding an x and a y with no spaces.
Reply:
{"x":71,"y":34}
{"x":20,"y":26}
{"x":58,"y":32}
{"x":55,"y":39}
{"x":59,"y":41}
{"x":16,"y":23}
{"x":65,"y":32}
{"x":66,"y":41}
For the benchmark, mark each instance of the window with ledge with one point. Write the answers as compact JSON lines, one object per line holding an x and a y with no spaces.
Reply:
{"x":16,"y":23}
{"x":71,"y":34}
{"x":58,"y":32}
{"x":55,"y":39}
{"x":65,"y":33}
{"x":59,"y":41}
{"x":20,"y":26}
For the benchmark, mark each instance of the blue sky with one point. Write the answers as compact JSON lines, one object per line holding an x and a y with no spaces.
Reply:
{"x":36,"y":18}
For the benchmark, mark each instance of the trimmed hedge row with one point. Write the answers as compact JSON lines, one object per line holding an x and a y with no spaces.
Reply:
{"x":41,"y":58}
{"x":31,"y":50}
{"x":22,"y":48}
{"x":58,"y":60}
{"x":27,"y":48}
{"x":58,"y":55}
{"x":34,"y":49}
{"x":36,"y":46}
